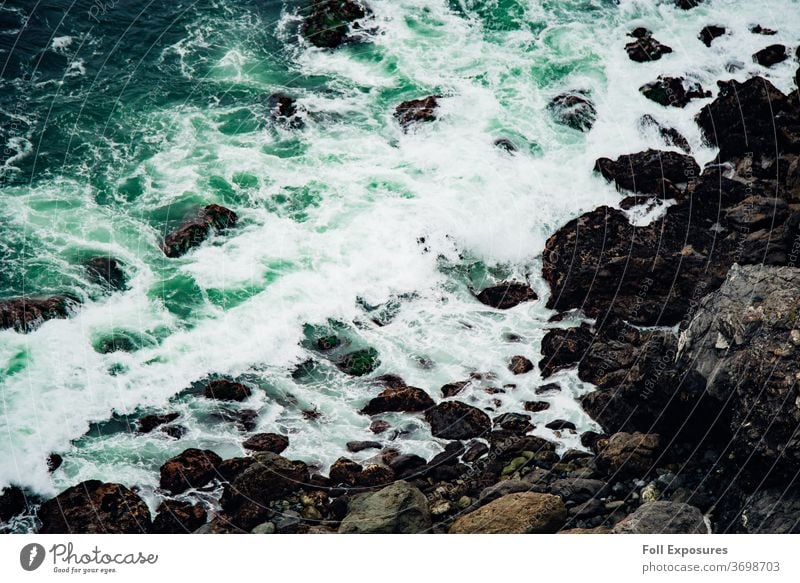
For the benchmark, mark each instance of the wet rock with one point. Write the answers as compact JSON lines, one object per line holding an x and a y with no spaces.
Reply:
{"x":772,"y":511}
{"x":174,"y":431}
{"x":561,"y":424}
{"x":520,"y":365}
{"x":518,"y":423}
{"x":749,"y":119}
{"x":628,"y":454}
{"x":28,"y":313}
{"x":192,"y":468}
{"x":505,"y":144}
{"x":671,"y":136}
{"x":577,"y":489}
{"x":356,"y":446}
{"x":360,"y":362}
{"x":147,"y":423}
{"x":12,"y":503}
{"x":397,"y":509}
{"x":548,"y":389}
{"x":232,"y":467}
{"x":771,"y":55}
{"x":663,"y":517}
{"x":507,"y":295}
{"x":94,"y":507}
{"x":245,"y":419}
{"x":536,"y":406}
{"x":283,"y":109}
{"x":645,"y":48}
{"x":709,"y":33}
{"x":475,"y":451}
{"x":743,"y":345}
{"x":673,"y":91}
{"x":379,"y":426}
{"x":520,"y":513}
{"x":758,"y":29}
{"x":574,"y":110}
{"x":417,"y":111}
{"x":564,"y":348}
{"x":54,"y":462}
{"x":407,"y":399}
{"x":687,"y":4}
{"x":332,"y":23}
{"x":503,"y":488}
{"x":453,"y":389}
{"x":266,"y":442}
{"x":375,"y":475}
{"x":270,"y":477}
{"x":174,"y":517}
{"x":456,"y":420}
{"x":407,"y":465}
{"x":225,"y":390}
{"x":107,"y":272}
{"x":652,"y":172}
{"x":196,"y":229}
{"x":345,"y":471}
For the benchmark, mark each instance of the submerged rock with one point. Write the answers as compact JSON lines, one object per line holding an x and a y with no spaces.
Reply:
{"x":671,"y":136}
{"x":28,"y":313}
{"x":397,"y":509}
{"x":196,"y":229}
{"x":106,"y":271}
{"x":360,"y":362}
{"x":507,"y":295}
{"x":283,"y":109}
{"x":331,"y":23}
{"x":225,"y":390}
{"x":673,"y":91}
{"x":93,"y":507}
{"x":709,"y":33}
{"x":758,"y":29}
{"x":417,"y":110}
{"x":771,"y":55}
{"x":456,"y":420}
{"x":192,"y":468}
{"x":517,"y":513}
{"x":663,"y":517}
{"x":574,"y":110}
{"x":147,"y":423}
{"x":645,"y":48}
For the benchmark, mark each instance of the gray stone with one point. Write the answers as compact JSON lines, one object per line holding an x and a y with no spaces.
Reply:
{"x":397,"y":509}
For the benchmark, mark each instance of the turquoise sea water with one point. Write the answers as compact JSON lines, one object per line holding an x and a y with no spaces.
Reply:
{"x":119,"y":117}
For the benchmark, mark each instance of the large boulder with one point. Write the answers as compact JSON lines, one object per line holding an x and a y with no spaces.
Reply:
{"x":197,"y":228}
{"x":457,"y":420}
{"x":107,"y":272}
{"x":506,"y":295}
{"x":396,"y":509}
{"x":192,"y":468}
{"x":673,"y":91}
{"x":652,"y":172}
{"x":628,"y":454}
{"x":744,"y":344}
{"x":273,"y":442}
{"x":331,"y":23}
{"x":174,"y":517}
{"x":28,"y":313}
{"x":564,"y":348}
{"x":268,"y":478}
{"x":645,"y":48}
{"x":402,"y":398}
{"x":663,"y":517}
{"x":709,"y":33}
{"x":93,"y":507}
{"x":771,"y":55}
{"x":518,"y":513}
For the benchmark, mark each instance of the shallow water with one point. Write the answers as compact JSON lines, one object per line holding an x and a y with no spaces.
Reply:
{"x":113,"y":125}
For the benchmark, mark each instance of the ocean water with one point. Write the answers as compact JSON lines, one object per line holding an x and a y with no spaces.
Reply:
{"x":118,"y":117}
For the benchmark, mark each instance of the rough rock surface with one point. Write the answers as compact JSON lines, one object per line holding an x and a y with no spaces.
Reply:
{"x":416,"y":111}
{"x":197,"y":228}
{"x":396,"y":509}
{"x":409,"y":399}
{"x":506,"y":295}
{"x":457,"y":420}
{"x":27,"y":314}
{"x":332,"y":23}
{"x":574,"y":110}
{"x":192,"y":468}
{"x":663,"y":517}
{"x":518,"y":513}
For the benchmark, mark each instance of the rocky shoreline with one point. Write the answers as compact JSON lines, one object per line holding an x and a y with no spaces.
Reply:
{"x":690,"y":335}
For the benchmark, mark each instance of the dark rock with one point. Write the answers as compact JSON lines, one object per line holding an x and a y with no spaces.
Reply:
{"x":326,"y":343}
{"x":192,"y":468}
{"x":356,"y":446}
{"x":245,"y":419}
{"x":174,"y":431}
{"x":332,"y":23}
{"x":520,"y":365}
{"x":360,"y":362}
{"x":771,"y":55}
{"x":590,"y":438}
{"x":408,"y":465}
{"x":232,"y":467}
{"x":519,"y":513}
{"x":196,"y":229}
{"x":174,"y":517}
{"x":475,"y":451}
{"x":375,"y":475}
{"x":416,"y":111}
{"x":577,"y":489}
{"x":345,"y":472}
{"x":456,"y":420}
{"x":506,"y":295}
{"x":663,"y":517}
{"x":518,"y":423}
{"x":548,"y":389}
{"x":54,"y":462}
{"x":407,"y":399}
{"x":93,"y":507}
{"x":687,"y":4}
{"x":396,"y":509}
{"x":772,"y":511}
{"x":378,"y":426}
{"x":452,"y":389}
{"x":758,"y":29}
{"x":266,"y":442}
{"x":505,"y":144}
{"x":709,"y":33}
{"x":645,"y":48}
{"x":12,"y":503}
{"x":652,"y":172}
{"x":283,"y":109}
{"x":564,"y":348}
{"x":225,"y":390}
{"x":628,"y":454}
{"x":147,"y":423}
{"x":503,"y":488}
{"x":270,"y":477}
{"x":106,"y":271}
{"x":560,"y":424}
{"x":536,"y":406}
{"x":574,"y":110}
{"x":673,"y":91}
{"x":671,"y":136}
{"x":28,"y":313}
